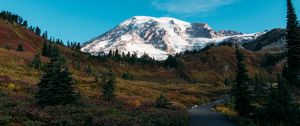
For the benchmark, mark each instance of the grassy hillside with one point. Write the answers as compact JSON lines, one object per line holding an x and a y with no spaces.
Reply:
{"x":219,"y":63}
{"x":13,"y":34}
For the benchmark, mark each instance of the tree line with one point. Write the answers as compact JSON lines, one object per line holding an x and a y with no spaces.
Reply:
{"x":133,"y":59}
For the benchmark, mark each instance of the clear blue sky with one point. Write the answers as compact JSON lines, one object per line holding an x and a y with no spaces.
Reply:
{"x":81,"y":20}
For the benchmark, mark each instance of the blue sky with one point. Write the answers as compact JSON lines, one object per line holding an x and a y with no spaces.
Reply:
{"x":81,"y":20}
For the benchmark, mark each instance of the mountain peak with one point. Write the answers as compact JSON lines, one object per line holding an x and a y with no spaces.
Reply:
{"x":159,"y":37}
{"x":140,"y":20}
{"x":159,"y":19}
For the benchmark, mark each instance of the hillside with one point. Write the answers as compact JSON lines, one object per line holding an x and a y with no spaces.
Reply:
{"x":273,"y":40}
{"x":217,"y":64}
{"x":12,"y":34}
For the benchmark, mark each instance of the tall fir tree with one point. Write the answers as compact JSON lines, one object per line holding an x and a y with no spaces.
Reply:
{"x":171,"y":62}
{"x":38,"y":31}
{"x":89,"y":70}
{"x":110,"y":54}
{"x":241,"y":90}
{"x":78,"y":46}
{"x":25,"y":24}
{"x":45,"y":35}
{"x":56,"y":85}
{"x":20,"y":47}
{"x":45,"y":49}
{"x":117,"y":55}
{"x":293,"y":40}
{"x":109,"y":85}
{"x":36,"y":63}
{"x":50,"y":49}
{"x":53,"y":50}
{"x":280,"y":108}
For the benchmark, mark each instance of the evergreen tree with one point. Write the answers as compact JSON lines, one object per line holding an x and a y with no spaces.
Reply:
{"x":56,"y":85}
{"x":68,"y":44}
{"x":227,"y":82}
{"x":53,"y":50}
{"x":241,"y":92}
{"x":109,"y":86}
{"x":45,"y":49}
{"x":133,"y":58}
{"x":259,"y":93}
{"x":50,"y":48}
{"x":20,"y":47}
{"x":77,"y":64}
{"x":30,"y":28}
{"x":127,"y":76}
{"x":78,"y":46}
{"x":123,"y":55}
{"x":45,"y":35}
{"x":36,"y":62}
{"x":89,"y":70}
{"x":20,"y":20}
{"x":38,"y":31}
{"x":110,"y":54}
{"x":162,"y":102}
{"x":25,"y":24}
{"x":171,"y":62}
{"x":117,"y":55}
{"x":293,"y":40}
{"x":128,"y":55}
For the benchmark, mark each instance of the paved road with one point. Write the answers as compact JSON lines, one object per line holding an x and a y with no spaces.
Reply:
{"x":205,"y":116}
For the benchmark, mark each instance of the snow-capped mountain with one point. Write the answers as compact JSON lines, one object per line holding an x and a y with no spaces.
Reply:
{"x":160,"y":37}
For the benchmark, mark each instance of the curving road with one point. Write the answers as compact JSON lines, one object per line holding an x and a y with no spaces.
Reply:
{"x":205,"y":116}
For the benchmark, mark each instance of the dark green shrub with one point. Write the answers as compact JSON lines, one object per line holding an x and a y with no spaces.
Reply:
{"x":166,"y":118}
{"x":64,"y":122}
{"x":242,"y":121}
{"x":33,"y":123}
{"x":20,"y":48}
{"x":127,"y":76}
{"x":162,"y":102}
{"x":109,"y":86}
{"x":5,"y":120}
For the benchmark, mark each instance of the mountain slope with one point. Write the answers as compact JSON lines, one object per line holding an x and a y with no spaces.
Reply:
{"x":219,"y":63}
{"x":12,"y":34}
{"x":273,"y":40}
{"x":160,"y":37}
